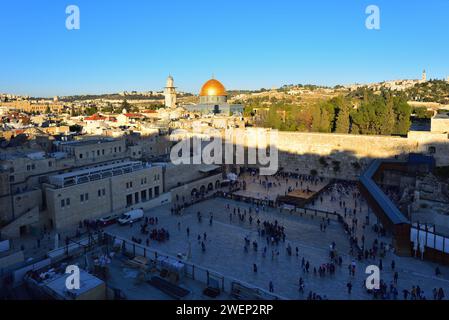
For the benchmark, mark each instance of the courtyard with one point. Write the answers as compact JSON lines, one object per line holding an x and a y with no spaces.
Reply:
{"x":219,"y":245}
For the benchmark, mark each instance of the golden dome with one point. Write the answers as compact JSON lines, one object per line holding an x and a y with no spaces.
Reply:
{"x":213,"y":88}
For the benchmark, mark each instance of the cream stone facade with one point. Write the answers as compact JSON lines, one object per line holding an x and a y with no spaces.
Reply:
{"x":440,"y":123}
{"x":27,"y":106}
{"x":93,"y":193}
{"x":345,"y":155}
{"x":92,"y":150}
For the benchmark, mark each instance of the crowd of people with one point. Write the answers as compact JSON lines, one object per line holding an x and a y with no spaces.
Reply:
{"x":155,"y":234}
{"x":366,"y":238}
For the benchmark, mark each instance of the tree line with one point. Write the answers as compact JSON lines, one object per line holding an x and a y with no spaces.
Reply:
{"x":362,"y":112}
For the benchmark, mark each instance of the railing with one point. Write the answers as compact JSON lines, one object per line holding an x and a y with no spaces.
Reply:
{"x":191,"y":270}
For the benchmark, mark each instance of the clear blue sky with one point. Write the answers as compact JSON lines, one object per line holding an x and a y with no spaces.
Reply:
{"x":247,"y":44}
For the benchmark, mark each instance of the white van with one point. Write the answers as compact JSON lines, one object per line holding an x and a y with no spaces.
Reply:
{"x":131,"y":216}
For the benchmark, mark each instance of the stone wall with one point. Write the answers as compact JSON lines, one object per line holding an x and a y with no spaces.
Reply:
{"x":440,"y":125}
{"x":184,"y":194}
{"x":176,"y":175}
{"x":346,"y":155}
{"x":343,"y":155}
{"x":29,"y":218}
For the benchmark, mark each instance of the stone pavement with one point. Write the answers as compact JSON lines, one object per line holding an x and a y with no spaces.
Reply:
{"x":256,"y":186}
{"x":225,"y":251}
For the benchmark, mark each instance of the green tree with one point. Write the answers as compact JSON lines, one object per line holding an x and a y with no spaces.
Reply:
{"x":402,"y":112}
{"x":76,"y":128}
{"x":342,"y":121}
{"x":125,"y":105}
{"x":91,"y":110}
{"x":108,"y":108}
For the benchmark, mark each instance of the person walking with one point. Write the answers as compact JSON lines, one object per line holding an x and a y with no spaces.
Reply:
{"x":349,"y":286}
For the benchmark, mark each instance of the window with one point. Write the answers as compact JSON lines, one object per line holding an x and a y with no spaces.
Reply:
{"x":62,"y":203}
{"x":143,"y":195}
{"x":103,"y":192}
{"x":99,"y":193}
{"x":67,"y":201}
{"x":11,"y":178}
{"x":28,"y":167}
{"x":98,"y":152}
{"x":33,"y":166}
{"x":136,"y":197}
{"x":150,"y":193}
{"x":82,"y":198}
{"x":156,"y":191}
{"x":432,"y":150}
{"x":81,"y":155}
{"x":86,"y":196}
{"x":50,"y":163}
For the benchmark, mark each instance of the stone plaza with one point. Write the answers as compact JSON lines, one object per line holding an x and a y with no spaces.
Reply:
{"x":225,"y":251}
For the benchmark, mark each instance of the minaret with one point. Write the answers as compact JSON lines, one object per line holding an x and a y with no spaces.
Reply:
{"x":424,"y":76}
{"x":170,"y":93}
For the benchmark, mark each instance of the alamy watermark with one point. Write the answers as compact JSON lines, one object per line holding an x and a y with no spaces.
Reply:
{"x":372,"y":282}
{"x":256,"y":146}
{"x":72,"y":21}
{"x":372,"y":22}
{"x":73,"y":282}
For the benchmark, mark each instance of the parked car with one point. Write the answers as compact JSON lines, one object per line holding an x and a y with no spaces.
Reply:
{"x":107,"y":221}
{"x":131,"y":216}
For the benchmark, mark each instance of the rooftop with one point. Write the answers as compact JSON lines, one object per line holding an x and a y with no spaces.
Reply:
{"x":86,"y":142}
{"x":442,"y":115}
{"x":96,"y":173}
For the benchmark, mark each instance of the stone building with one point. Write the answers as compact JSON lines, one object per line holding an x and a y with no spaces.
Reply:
{"x":88,"y":151}
{"x":95,"y":192}
{"x":440,"y":122}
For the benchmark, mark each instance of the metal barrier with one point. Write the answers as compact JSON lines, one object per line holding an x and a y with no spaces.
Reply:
{"x":192,"y":271}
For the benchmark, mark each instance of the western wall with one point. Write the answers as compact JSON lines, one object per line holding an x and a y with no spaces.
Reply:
{"x":346,"y":156}
{"x":339,"y":155}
